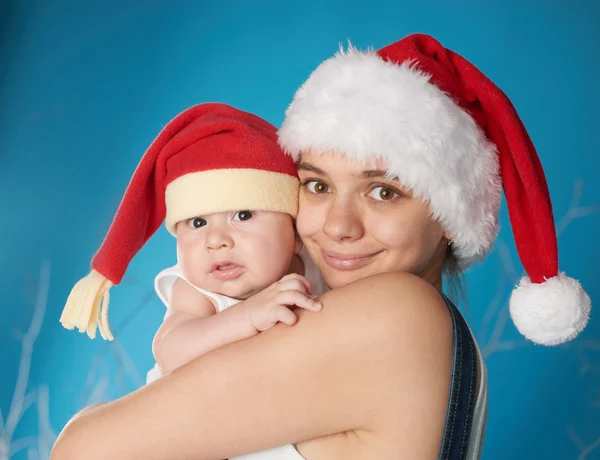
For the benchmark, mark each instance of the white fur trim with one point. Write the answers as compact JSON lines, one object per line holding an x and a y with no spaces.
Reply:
{"x":357,"y":104}
{"x":551,"y":312}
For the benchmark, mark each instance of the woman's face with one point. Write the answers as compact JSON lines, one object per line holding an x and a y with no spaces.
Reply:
{"x":355,"y":223}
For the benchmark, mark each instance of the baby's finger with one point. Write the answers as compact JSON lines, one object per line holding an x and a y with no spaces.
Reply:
{"x":293,"y":285}
{"x":303,"y":279}
{"x":287,"y":316}
{"x":298,"y":299}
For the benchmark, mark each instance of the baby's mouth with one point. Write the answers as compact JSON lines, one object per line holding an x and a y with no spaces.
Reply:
{"x":226,"y":270}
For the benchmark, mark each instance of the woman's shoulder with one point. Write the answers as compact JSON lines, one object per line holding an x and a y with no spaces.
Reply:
{"x":406,"y":326}
{"x":401,"y":311}
{"x":397,"y":294}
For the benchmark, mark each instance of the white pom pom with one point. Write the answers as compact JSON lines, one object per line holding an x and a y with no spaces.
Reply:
{"x":551,"y":312}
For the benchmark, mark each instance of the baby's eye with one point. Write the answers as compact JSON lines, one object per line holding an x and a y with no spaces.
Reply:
{"x":382,"y":193}
{"x":196,"y":222}
{"x":242,"y":215}
{"x":316,"y":186}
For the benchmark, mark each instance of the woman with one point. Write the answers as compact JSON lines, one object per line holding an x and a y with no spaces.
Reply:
{"x":401,"y":155}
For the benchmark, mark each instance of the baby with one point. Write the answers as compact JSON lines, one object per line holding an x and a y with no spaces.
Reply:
{"x":217,"y":178}
{"x":230,"y":284}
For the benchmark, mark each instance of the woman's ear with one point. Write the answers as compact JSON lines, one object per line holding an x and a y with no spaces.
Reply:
{"x":448,"y":238}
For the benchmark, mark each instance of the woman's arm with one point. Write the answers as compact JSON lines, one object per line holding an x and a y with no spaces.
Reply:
{"x":376,"y":359}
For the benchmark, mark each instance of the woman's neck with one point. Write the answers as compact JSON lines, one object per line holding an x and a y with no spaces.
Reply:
{"x":432,"y":273}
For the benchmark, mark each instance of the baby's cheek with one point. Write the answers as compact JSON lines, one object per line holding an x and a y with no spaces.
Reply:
{"x":272,"y":261}
{"x":188,"y":272}
{"x":189,"y":264}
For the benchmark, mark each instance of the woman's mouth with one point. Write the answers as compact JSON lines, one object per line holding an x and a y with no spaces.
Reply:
{"x":226,"y":271}
{"x":347,"y":261}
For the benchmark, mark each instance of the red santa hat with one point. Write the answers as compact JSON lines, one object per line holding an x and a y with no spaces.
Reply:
{"x":210,"y":158}
{"x":455,"y":139}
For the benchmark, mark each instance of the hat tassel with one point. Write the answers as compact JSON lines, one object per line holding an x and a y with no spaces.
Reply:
{"x":87,"y":306}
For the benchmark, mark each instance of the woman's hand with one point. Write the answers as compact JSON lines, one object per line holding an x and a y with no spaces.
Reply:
{"x":274,"y":304}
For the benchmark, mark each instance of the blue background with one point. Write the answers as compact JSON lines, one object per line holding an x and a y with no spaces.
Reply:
{"x":85,"y":87}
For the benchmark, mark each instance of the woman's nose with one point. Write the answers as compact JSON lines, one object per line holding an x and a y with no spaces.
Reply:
{"x":343,"y":222}
{"x":218,"y":238}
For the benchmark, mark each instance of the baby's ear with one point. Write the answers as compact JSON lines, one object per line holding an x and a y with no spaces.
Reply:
{"x":298,"y":244}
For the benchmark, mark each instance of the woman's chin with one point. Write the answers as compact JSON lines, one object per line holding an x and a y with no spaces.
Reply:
{"x":338,"y":278}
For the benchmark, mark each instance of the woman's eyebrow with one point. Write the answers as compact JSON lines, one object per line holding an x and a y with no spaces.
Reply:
{"x":375,"y":173}
{"x":311,"y":168}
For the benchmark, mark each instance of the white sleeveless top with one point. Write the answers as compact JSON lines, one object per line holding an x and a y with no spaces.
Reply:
{"x":163,"y":285}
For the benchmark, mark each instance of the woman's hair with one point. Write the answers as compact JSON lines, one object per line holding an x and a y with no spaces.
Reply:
{"x":454,"y":279}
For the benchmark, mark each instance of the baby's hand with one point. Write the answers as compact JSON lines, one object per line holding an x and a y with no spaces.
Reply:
{"x":273,"y":304}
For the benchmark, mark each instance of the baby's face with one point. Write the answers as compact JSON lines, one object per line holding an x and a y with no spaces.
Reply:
{"x":236,"y":254}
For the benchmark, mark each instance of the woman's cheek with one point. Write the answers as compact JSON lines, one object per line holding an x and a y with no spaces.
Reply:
{"x":391,"y":233}
{"x":309,"y":220}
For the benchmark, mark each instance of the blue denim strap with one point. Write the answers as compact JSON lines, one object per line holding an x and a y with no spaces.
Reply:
{"x":463,"y":390}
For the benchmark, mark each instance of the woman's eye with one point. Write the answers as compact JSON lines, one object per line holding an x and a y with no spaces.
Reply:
{"x":381,"y":193}
{"x":242,"y":215}
{"x":316,"y":186}
{"x":196,"y":222}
